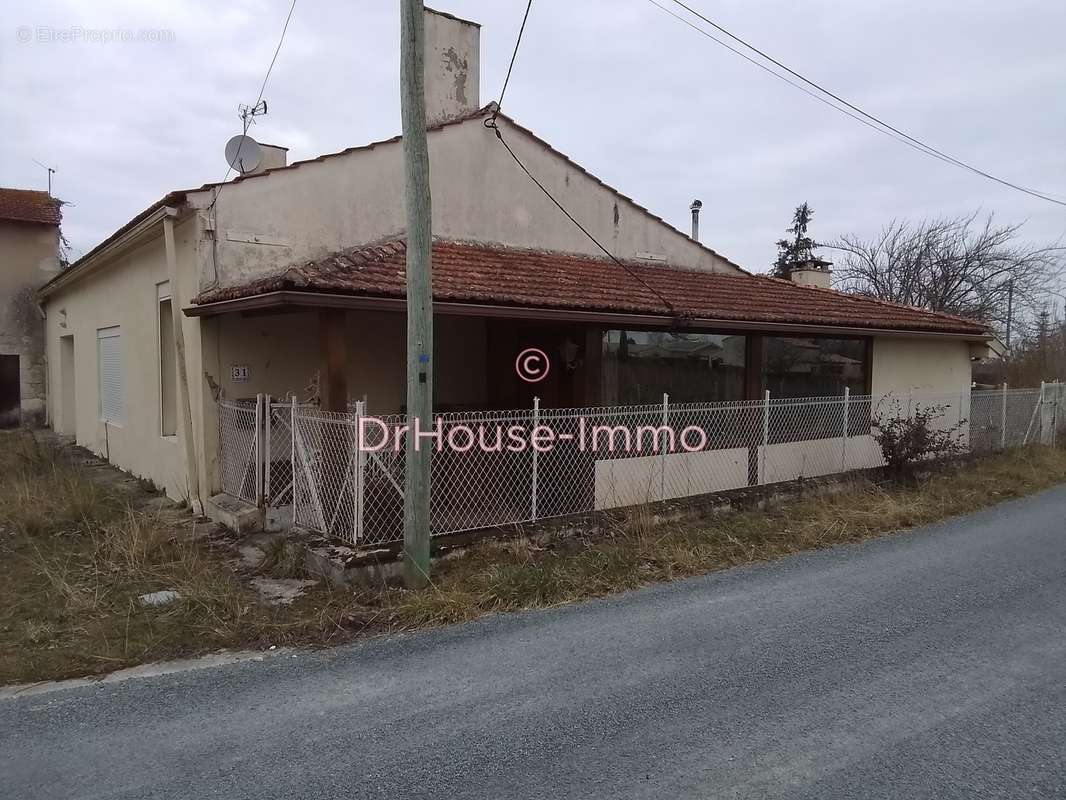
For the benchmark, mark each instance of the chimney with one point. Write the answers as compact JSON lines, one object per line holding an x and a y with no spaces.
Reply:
{"x":453,"y":66}
{"x":274,"y":156}
{"x":695,"y":209}
{"x":812,"y":272}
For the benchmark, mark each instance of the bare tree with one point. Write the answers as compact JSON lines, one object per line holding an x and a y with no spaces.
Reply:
{"x":962,"y":265}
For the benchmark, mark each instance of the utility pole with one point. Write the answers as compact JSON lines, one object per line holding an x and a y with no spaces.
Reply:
{"x":416,"y":531}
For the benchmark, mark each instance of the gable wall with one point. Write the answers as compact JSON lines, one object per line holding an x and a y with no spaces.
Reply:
{"x":478,"y":194}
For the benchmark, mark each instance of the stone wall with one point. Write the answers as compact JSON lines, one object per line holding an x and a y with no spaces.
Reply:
{"x":29,"y":256}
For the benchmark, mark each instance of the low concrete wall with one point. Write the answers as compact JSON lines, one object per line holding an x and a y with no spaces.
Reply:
{"x":629,"y":481}
{"x":792,"y":460}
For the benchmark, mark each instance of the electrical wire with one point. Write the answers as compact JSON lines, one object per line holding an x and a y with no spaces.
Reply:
{"x":869,"y":118}
{"x":492,"y":125}
{"x":514,"y":55}
{"x":262,"y":88}
{"x":791,"y":83}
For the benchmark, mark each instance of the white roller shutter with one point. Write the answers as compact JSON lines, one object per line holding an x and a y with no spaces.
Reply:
{"x":109,"y":358}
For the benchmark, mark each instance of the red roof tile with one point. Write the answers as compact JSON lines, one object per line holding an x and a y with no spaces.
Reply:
{"x":487,"y":274}
{"x":27,"y":205}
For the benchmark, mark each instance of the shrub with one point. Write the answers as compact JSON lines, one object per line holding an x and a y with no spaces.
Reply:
{"x":907,"y":440}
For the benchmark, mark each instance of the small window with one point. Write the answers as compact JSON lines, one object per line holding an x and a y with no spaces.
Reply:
{"x":112,"y":377}
{"x":168,"y":370}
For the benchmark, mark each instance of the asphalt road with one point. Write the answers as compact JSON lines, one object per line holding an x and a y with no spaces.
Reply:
{"x":929,"y":664}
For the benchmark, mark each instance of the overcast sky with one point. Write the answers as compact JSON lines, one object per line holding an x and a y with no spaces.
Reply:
{"x":643,"y":102}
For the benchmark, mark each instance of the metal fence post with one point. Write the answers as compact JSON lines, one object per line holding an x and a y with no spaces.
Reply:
{"x":765,"y":435}
{"x":268,"y":414}
{"x":292,"y":454}
{"x":844,"y":445}
{"x":1003,"y":421}
{"x":1040,"y":405}
{"x":258,"y":439}
{"x":662,"y":456}
{"x":358,"y":482}
{"x":532,"y":433}
{"x":1055,"y":414}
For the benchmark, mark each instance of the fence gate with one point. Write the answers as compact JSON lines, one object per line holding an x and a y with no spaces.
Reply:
{"x":256,"y":455}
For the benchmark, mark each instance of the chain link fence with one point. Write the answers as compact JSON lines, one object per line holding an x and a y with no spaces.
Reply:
{"x":239,"y":439}
{"x":343,"y":474}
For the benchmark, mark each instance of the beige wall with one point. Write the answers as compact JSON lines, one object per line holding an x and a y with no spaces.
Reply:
{"x":29,"y":255}
{"x":937,"y":371}
{"x":125,"y":295}
{"x":922,"y":364}
{"x":281,"y":353}
{"x":268,"y":223}
{"x":452,"y":66}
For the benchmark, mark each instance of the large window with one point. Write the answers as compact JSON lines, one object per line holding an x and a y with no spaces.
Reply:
{"x":639,"y":366}
{"x":112,"y":378}
{"x":814,"y":367}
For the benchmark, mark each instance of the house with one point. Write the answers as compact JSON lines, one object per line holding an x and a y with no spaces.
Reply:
{"x":290,"y":281}
{"x":29,"y":256}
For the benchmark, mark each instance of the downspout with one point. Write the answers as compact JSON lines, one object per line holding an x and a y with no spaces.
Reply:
{"x":186,"y":433}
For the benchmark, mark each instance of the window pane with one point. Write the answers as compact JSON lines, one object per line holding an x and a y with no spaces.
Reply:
{"x":813,"y":367}
{"x":639,"y":366}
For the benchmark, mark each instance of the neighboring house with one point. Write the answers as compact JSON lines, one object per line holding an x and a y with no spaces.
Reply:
{"x":29,"y":256}
{"x":291,"y":282}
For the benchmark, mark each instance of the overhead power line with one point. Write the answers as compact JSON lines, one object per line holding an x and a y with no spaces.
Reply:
{"x":492,"y":125}
{"x":845,"y":106}
{"x":514,"y":55}
{"x":258,"y":99}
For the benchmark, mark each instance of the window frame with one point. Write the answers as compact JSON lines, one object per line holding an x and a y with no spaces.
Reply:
{"x":163,"y":295}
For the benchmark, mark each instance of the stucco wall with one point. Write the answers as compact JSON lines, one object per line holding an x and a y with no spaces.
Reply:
{"x":267,"y":223}
{"x":126,"y":295}
{"x":29,"y":255}
{"x":281,"y":354}
{"x":452,"y":66}
{"x":922,"y":364}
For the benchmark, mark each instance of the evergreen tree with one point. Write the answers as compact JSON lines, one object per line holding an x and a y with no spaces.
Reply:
{"x":800,"y":247}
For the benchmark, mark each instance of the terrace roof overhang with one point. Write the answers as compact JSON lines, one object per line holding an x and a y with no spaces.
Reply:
{"x":289,"y":300}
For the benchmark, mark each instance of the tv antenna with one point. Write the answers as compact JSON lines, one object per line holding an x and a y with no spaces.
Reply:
{"x":249,"y":113}
{"x":51,"y":172}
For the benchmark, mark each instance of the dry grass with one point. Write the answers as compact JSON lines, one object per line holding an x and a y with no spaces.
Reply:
{"x":639,"y":551}
{"x":74,"y":558}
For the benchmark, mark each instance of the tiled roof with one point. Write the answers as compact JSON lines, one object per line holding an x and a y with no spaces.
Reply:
{"x":494,"y":275}
{"x":27,"y":205}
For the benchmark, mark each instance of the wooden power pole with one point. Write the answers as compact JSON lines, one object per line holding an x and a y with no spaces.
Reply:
{"x":416,"y":531}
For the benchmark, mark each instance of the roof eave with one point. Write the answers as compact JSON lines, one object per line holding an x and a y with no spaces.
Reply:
{"x":127,"y":236}
{"x":289,"y":299}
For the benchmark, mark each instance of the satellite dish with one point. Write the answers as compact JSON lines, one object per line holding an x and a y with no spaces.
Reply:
{"x":243,"y":153}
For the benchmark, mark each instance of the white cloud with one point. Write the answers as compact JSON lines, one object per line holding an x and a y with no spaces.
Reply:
{"x":653,"y":108}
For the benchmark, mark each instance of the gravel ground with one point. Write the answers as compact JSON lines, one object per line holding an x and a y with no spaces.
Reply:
{"x":929,"y":664}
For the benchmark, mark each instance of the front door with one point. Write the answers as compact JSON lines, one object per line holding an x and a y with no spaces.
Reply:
{"x":10,"y":394}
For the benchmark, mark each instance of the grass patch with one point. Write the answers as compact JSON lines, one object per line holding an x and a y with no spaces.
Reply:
{"x":74,"y":557}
